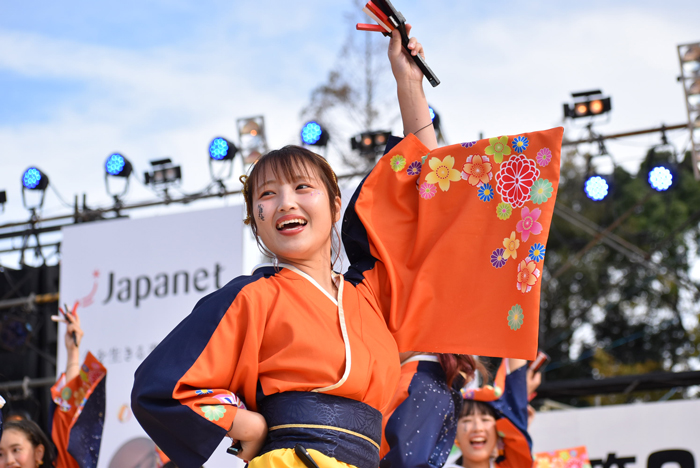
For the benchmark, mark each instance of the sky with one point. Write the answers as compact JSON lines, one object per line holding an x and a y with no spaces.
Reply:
{"x":156,"y":78}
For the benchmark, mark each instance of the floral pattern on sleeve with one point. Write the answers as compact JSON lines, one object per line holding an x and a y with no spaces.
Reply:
{"x":505,"y":170}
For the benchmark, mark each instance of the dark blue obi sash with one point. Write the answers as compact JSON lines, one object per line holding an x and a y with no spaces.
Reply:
{"x":347,"y":430}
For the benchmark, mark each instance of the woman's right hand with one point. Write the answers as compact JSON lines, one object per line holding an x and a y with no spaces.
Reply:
{"x":250,"y":429}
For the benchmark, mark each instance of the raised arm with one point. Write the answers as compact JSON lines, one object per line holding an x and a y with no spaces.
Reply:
{"x":409,"y":86}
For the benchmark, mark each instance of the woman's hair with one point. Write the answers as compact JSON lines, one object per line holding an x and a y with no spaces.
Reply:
{"x":288,"y":163}
{"x":462,"y":365}
{"x":35,"y":436}
{"x":471,"y":407}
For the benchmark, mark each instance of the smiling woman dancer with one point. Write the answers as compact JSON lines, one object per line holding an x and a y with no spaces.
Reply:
{"x":314,"y":355}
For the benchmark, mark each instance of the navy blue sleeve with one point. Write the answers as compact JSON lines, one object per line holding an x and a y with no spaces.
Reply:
{"x":422,"y":430}
{"x":186,"y":437}
{"x":513,"y":403}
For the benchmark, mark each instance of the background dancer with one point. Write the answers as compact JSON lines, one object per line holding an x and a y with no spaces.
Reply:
{"x":78,"y":418}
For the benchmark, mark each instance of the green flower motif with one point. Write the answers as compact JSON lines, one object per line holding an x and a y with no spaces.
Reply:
{"x":498,"y":148}
{"x":66,"y":393}
{"x":515,"y":317}
{"x":397,"y":162}
{"x":504,"y":210}
{"x":541,"y":191}
{"x":422,"y":160}
{"x":213,"y":412}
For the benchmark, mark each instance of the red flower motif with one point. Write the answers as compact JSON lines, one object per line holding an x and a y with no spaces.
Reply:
{"x":515,"y":178}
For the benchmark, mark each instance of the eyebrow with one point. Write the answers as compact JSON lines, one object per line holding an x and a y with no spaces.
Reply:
{"x":297,"y":178}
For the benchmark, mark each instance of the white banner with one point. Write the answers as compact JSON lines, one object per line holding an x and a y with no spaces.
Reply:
{"x":626,"y":436}
{"x":135,"y":281}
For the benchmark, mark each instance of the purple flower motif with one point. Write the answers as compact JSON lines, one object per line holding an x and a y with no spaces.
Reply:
{"x":414,"y":168}
{"x":498,"y":259}
{"x":469,"y":144}
{"x":544,"y":156}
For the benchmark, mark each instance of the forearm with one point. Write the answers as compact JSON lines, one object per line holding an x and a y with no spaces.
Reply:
{"x":72,"y":364}
{"x":415,"y":113}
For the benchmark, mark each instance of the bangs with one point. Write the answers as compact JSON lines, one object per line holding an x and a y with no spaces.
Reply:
{"x":472,"y":407}
{"x":284,"y":164}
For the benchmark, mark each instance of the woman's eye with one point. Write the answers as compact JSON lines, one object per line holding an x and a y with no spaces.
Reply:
{"x":266,"y":193}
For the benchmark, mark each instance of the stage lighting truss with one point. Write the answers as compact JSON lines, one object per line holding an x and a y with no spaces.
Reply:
{"x":164,"y":175}
{"x":36,"y":181}
{"x":689,"y":58}
{"x":221,"y":153}
{"x":252,"y":138}
{"x":370,"y":144}
{"x":313,"y":134}
{"x":117,"y":166}
{"x":587,"y":104}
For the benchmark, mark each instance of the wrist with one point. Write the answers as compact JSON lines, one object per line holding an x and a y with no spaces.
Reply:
{"x":410,"y":87}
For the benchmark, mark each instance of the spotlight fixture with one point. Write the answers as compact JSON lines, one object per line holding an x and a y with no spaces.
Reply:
{"x":587,"y":104}
{"x":661,"y":163}
{"x":369,"y":144}
{"x":313,"y":134}
{"x":118,"y":166}
{"x":3,"y":198}
{"x":596,"y":187}
{"x":221,"y":152}
{"x":253,"y":142}
{"x":220,"y":149}
{"x":164,"y":173}
{"x":36,"y":181}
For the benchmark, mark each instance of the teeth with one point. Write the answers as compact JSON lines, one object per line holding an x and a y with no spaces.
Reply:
{"x":291,"y":221}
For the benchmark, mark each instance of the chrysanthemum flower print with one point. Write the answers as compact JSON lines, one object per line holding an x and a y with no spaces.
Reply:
{"x":536,"y":252}
{"x":477,"y":170}
{"x":427,"y":191}
{"x":414,"y":168}
{"x":515,"y":317}
{"x":397,"y":163}
{"x":520,"y":144}
{"x":213,"y":412}
{"x":515,"y":178}
{"x":498,"y":147}
{"x":442,"y":173}
{"x":541,"y":191}
{"x":544,"y":156}
{"x":503,"y":211}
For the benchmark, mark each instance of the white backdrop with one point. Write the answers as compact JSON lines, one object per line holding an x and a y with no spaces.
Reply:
{"x":135,"y":280}
{"x":635,"y":430}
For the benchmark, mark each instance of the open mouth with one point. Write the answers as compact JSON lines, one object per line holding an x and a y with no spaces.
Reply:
{"x":290,"y":224}
{"x":477,"y":442}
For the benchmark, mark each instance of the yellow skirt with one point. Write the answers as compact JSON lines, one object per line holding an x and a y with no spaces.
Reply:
{"x":286,"y":458}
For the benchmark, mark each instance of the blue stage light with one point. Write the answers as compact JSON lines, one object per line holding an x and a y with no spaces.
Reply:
{"x":118,"y":166}
{"x":432,"y":113}
{"x":660,"y":178}
{"x":34,"y":179}
{"x":218,"y":149}
{"x":596,"y":188}
{"x":115,"y":164}
{"x":311,"y":133}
